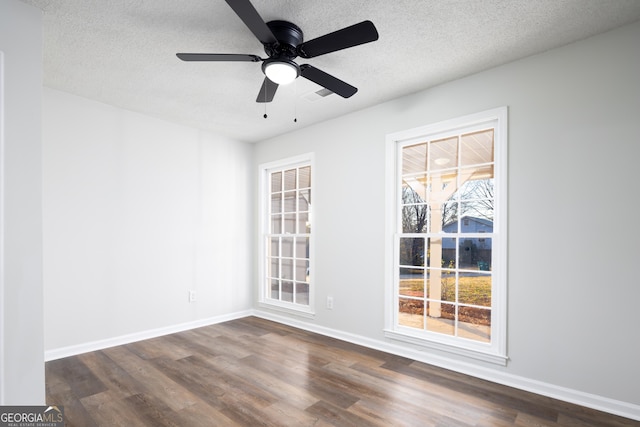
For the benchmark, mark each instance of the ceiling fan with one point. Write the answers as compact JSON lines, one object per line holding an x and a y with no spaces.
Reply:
{"x":283,"y":42}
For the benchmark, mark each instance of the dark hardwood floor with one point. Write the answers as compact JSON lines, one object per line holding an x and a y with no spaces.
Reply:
{"x":253,"y":372}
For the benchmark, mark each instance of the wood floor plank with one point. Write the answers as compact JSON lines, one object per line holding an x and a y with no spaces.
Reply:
{"x":81,"y":380}
{"x":58,"y":389}
{"x":304,"y":378}
{"x":158,"y":347}
{"x":296,"y":395}
{"x":201,"y":414}
{"x":108,"y":410}
{"x":191,"y":378}
{"x":153,"y":411}
{"x":506,"y":397}
{"x":283,"y":413}
{"x":150,"y":379}
{"x":234,"y":384}
{"x":253,"y":372}
{"x":392,"y":413}
{"x":114,"y":377}
{"x":439,"y":401}
{"x":405,"y":401}
{"x":338,"y":416}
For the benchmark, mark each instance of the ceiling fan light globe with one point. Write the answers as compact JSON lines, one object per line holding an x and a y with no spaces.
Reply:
{"x":281,"y":72}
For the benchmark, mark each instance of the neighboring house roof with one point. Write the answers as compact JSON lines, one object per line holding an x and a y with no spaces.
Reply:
{"x":483,"y":221}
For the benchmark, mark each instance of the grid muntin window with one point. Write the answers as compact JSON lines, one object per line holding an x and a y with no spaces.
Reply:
{"x":430,"y":170}
{"x":288,"y":236}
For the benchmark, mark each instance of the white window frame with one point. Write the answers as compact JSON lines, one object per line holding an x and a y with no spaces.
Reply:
{"x":496,"y":350}
{"x":264,"y":299}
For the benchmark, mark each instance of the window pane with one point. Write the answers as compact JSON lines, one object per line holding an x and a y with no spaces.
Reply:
{"x":290,"y":179}
{"x":304,"y":200}
{"x":276,"y":181}
{"x":441,"y":285}
{"x":485,"y":254}
{"x":304,"y":176}
{"x":475,"y":289}
{"x":442,"y":185}
{"x":443,"y":153}
{"x":290,"y":223}
{"x":301,"y":270}
{"x":274,"y":247}
{"x":414,"y":159}
{"x":275,"y":289}
{"x":480,"y":172}
{"x":443,"y":209}
{"x":412,"y":283}
{"x":302,"y":247}
{"x":411,"y":312}
{"x":276,"y":224}
{"x":448,"y":288}
{"x":476,"y":147}
{"x":441,"y":318}
{"x":412,"y":251}
{"x":477,"y":195}
{"x":434,"y":284}
{"x":276,"y":203}
{"x":449,"y":217}
{"x":303,"y":223}
{"x":434,"y":252}
{"x":475,"y":254}
{"x":414,"y":189}
{"x":478,"y":215}
{"x":302,"y":293}
{"x":414,"y":219}
{"x":476,"y":183}
{"x":448,"y":253}
{"x":274,"y":268}
{"x":287,"y":247}
{"x":287,"y":269}
{"x":474,"y":323}
{"x":287,"y":291}
{"x":290,"y":201}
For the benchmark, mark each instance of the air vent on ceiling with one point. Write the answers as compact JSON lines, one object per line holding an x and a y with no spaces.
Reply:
{"x":314,"y":96}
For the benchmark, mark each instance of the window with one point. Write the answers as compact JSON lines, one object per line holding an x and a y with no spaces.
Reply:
{"x":286,"y":235}
{"x":447,"y":230}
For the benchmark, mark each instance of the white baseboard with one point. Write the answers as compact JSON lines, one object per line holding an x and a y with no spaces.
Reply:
{"x":74,"y":350}
{"x":577,"y":397}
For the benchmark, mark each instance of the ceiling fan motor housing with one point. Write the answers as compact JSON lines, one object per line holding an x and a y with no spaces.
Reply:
{"x":289,"y":36}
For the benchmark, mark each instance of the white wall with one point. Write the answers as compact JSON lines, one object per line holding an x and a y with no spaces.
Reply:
{"x":574,"y":148}
{"x":137,"y":212}
{"x":21,"y":348}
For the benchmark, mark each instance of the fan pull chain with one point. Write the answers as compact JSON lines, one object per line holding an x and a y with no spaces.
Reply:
{"x":265,"y":101}
{"x":295,"y":101}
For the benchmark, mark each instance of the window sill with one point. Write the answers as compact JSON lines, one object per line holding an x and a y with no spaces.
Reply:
{"x":289,"y":309}
{"x":478,"y":354}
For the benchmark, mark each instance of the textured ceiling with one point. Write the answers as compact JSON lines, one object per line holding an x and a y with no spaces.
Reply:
{"x":122,"y":52}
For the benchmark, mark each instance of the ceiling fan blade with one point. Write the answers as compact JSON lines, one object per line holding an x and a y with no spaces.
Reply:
{"x":267,"y":91}
{"x":355,"y":35}
{"x":325,"y":80}
{"x":249,"y":15}
{"x":218,"y":57}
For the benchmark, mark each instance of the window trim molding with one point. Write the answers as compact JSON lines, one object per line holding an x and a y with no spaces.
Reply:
{"x":263,"y":227}
{"x":496,"y":351}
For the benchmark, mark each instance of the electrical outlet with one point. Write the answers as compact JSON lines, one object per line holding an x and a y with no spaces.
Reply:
{"x":330,"y":303}
{"x":192,"y":296}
